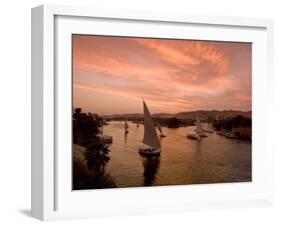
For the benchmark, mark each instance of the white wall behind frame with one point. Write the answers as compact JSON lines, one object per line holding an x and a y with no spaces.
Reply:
{"x":15,"y":100}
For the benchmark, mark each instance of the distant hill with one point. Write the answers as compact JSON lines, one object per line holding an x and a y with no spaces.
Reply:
{"x":213,"y":114}
{"x":204,"y":114}
{"x":163,"y":115}
{"x":131,"y":115}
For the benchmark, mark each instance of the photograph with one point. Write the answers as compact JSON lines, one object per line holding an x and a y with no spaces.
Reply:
{"x":160,"y":112}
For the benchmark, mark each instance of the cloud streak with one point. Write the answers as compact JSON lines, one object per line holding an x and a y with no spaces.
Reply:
{"x":172,"y":75}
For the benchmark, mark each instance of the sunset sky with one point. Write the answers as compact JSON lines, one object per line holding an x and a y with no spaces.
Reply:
{"x":113,"y":74}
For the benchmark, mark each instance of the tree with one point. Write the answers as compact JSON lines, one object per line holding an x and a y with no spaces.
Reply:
{"x":85,"y":127}
{"x":173,"y":123}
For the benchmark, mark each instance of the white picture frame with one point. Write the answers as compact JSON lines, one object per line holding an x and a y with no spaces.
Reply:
{"x":52,"y":197}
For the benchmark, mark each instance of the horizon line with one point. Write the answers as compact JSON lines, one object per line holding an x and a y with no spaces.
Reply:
{"x":244,"y":111}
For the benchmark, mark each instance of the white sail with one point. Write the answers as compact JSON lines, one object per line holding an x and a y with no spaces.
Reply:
{"x":101,"y":128}
{"x":126,"y":126}
{"x":198,"y":124}
{"x":159,"y":128}
{"x":150,"y":136}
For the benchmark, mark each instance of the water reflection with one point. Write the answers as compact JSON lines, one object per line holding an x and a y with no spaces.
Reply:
{"x":126,"y":138}
{"x":96,"y":159}
{"x":151,"y":166}
{"x":183,"y":161}
{"x":94,"y":175}
{"x":198,"y":146}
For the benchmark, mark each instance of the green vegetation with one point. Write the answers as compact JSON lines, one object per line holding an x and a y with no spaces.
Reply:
{"x":174,"y":122}
{"x":90,"y":173}
{"x":241,"y":126}
{"x":85,"y":127}
{"x":230,"y":123}
{"x":166,"y":122}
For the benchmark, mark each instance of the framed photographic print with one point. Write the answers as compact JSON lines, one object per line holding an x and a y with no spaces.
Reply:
{"x":137,"y":112}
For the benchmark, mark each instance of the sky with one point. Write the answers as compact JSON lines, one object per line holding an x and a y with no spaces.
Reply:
{"x":112,"y":75}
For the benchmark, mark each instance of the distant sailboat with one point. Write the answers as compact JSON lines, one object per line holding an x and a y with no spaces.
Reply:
{"x":209,"y":128}
{"x":194,"y":136}
{"x":199,"y":132}
{"x":126,"y":127}
{"x":199,"y":129}
{"x":150,"y":138}
{"x":160,"y":130}
{"x":105,"y":138}
{"x":217,"y":117}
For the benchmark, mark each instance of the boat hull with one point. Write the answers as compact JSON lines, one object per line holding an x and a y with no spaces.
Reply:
{"x":220,"y":133}
{"x":106,"y":139}
{"x":230,"y":135}
{"x":144,"y":151}
{"x":192,"y":136}
{"x":208,"y":131}
{"x":203,"y":135}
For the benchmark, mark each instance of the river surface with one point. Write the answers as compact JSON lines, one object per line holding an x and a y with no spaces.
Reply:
{"x":214,"y":159}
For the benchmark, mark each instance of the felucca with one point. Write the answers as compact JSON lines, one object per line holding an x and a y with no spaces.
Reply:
{"x":126,"y":127}
{"x":105,"y":138}
{"x":137,"y":122}
{"x":209,"y":128}
{"x":199,"y":132}
{"x":199,"y":129}
{"x":160,"y":130}
{"x":150,"y":138}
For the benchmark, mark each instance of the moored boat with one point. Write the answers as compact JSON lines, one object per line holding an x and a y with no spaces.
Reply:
{"x":199,"y":131}
{"x":193,"y":136}
{"x":208,"y":128}
{"x":202,"y":134}
{"x":105,"y":138}
{"x":221,"y":133}
{"x":230,"y":135}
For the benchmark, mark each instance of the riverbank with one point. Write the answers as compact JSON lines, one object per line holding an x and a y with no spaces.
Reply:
{"x":89,"y":168}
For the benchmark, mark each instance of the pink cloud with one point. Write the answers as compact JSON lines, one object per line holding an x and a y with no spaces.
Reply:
{"x":173,"y":74}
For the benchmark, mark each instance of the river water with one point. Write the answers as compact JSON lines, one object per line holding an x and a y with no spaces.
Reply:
{"x":214,"y":159}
